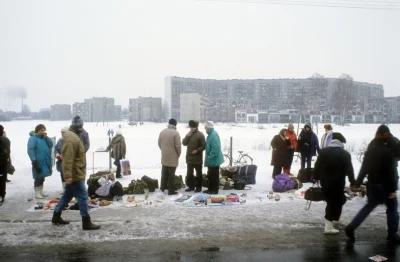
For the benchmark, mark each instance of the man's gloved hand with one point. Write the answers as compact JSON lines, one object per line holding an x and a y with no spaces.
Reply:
{"x":35,"y":166}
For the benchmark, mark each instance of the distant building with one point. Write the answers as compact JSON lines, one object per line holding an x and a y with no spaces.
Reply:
{"x":190,"y":107}
{"x":96,"y":109}
{"x":80,"y":109}
{"x":145,"y":109}
{"x":118,"y":112}
{"x":60,"y":112}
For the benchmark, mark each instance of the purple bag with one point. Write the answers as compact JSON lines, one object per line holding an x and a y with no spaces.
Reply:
{"x":283,"y":183}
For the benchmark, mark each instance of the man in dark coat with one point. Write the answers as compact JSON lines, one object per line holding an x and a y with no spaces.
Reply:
{"x":279,"y":146}
{"x":307,"y":145}
{"x":196,"y":143}
{"x":380,"y":165}
{"x":331,"y":168}
{"x":4,"y":159}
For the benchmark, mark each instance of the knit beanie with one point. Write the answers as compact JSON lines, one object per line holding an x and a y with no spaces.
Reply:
{"x":209,"y":124}
{"x":172,"y":122}
{"x":77,"y":123}
{"x":193,"y":124}
{"x":382,"y":130}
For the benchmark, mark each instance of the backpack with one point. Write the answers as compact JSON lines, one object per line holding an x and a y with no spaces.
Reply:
{"x":283,"y":183}
{"x":239,"y":180}
{"x":136,"y":187}
{"x":178,"y":182}
{"x":305,"y":175}
{"x":152,"y":184}
{"x":116,"y":190}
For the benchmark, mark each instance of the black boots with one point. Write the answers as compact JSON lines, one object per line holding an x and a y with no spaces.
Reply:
{"x":349,"y":230}
{"x":118,"y":173}
{"x":57,"y":220}
{"x":88,"y":225}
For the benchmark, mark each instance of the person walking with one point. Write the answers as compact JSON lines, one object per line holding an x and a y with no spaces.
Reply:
{"x":307,"y":145}
{"x":58,"y":156}
{"x":196,"y":143}
{"x":169,"y":142}
{"x":118,"y":150}
{"x":279,"y":144}
{"x":5,"y":151}
{"x":214,"y":158}
{"x":74,"y":172}
{"x":290,"y":149}
{"x":39,"y":151}
{"x":331,"y":168}
{"x":380,"y":165}
{"x":327,"y":137}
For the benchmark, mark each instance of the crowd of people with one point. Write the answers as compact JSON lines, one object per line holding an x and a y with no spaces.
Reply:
{"x":332,"y":166}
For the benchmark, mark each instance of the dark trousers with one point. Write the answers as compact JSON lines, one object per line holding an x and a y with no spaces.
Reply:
{"x":39,"y":182}
{"x":289,"y":159}
{"x":62,"y":177}
{"x":213,"y":179}
{"x":3,"y":178}
{"x":167,"y":178}
{"x":377,"y":195}
{"x":198,"y":181}
{"x":335,"y":199}
{"x":277,"y":170}
{"x":77,"y":190}
{"x":306,"y":157}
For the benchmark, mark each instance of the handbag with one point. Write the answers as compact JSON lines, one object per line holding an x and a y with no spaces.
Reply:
{"x":314,"y":193}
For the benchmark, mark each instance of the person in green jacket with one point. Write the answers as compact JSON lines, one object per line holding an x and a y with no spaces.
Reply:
{"x":196,"y":143}
{"x":214,"y":158}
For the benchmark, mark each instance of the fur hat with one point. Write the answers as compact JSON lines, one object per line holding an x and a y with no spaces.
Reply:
{"x":193,"y":124}
{"x":1,"y":130}
{"x":382,"y":130}
{"x":77,"y":122}
{"x":338,"y":136}
{"x":38,"y":127}
{"x":209,"y":124}
{"x":172,"y":122}
{"x":64,"y":129}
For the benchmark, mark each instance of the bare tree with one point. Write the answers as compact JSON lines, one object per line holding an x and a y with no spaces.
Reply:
{"x":344,"y":96}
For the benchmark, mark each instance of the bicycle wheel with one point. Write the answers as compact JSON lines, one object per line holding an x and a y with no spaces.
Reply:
{"x":226,"y":160}
{"x":246,"y":160}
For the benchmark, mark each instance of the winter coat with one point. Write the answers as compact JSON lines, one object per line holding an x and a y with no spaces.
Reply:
{"x":197,"y":142}
{"x":5,"y":145}
{"x":39,"y":150}
{"x":169,"y":141}
{"x":73,"y":157}
{"x":117,"y":147}
{"x":293,"y":140}
{"x":333,"y":165}
{"x":279,"y":148}
{"x":58,"y":153}
{"x":326,"y":139}
{"x":214,"y":156}
{"x":308,"y":143}
{"x":380,"y":163}
{"x":84,"y":136}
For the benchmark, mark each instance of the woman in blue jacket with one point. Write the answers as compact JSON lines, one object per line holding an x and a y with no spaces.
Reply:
{"x":214,"y":158}
{"x":39,"y":151}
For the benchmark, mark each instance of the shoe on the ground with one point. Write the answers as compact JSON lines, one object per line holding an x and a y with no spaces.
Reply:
{"x":88,"y":225}
{"x":37,"y":193}
{"x":197,"y":190}
{"x":189,"y":189}
{"x":329,"y":229}
{"x":349,"y":232}
{"x":394,"y":240}
{"x":57,"y":220}
{"x":172,"y":193}
{"x":42,"y":193}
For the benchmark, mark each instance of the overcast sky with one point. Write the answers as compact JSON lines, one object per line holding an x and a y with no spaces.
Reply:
{"x":65,"y":51}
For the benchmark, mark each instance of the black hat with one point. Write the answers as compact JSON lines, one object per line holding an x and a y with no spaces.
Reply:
{"x":193,"y":124}
{"x":338,"y":136}
{"x":77,"y":123}
{"x":38,"y":127}
{"x":172,"y":122}
{"x":382,"y":130}
{"x":1,"y":130}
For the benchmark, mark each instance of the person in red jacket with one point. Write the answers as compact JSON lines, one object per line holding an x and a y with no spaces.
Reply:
{"x":290,"y":148}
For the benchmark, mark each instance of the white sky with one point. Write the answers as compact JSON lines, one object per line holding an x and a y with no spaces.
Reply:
{"x":65,"y":51}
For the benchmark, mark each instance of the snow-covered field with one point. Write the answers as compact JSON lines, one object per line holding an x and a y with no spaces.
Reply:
{"x":119,"y":222}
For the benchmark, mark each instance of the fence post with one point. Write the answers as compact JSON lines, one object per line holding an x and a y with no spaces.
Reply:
{"x":109,"y":153}
{"x":230,"y":151}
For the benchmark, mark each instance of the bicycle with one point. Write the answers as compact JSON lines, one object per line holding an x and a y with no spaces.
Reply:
{"x":242,"y":159}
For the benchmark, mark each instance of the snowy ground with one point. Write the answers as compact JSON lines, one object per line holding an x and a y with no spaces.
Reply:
{"x":259,"y":218}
